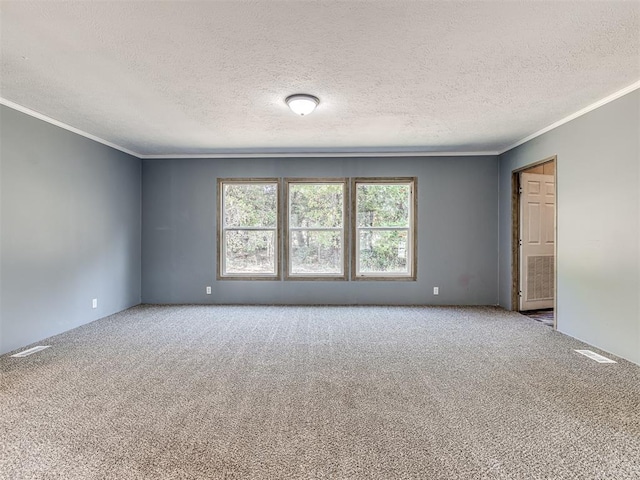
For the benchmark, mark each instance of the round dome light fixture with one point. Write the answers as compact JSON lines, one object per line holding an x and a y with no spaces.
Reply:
{"x":302,"y":104}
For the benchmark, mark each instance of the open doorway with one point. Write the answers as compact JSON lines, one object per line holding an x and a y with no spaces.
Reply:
{"x":534,"y":241}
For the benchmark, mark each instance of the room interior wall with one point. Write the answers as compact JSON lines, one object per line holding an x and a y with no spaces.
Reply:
{"x":598,"y":263}
{"x":70,"y":217}
{"x":457,"y":232}
{"x":71,"y":230}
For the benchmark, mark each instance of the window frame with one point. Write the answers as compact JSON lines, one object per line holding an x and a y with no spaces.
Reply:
{"x":220,"y":231}
{"x":345,"y":230}
{"x":412,"y":236}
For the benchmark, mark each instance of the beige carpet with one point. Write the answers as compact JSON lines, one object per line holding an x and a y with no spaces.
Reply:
{"x":199,"y":392}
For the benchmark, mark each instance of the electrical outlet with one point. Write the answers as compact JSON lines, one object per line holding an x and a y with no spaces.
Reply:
{"x":208,"y":290}
{"x":436,"y":290}
{"x":94,"y":303}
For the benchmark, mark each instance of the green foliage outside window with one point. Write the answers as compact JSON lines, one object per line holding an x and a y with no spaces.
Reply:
{"x":316,"y":233}
{"x":316,"y":225}
{"x":251,"y":215}
{"x":251,"y":205}
{"x":386,"y":208}
{"x":383,"y":205}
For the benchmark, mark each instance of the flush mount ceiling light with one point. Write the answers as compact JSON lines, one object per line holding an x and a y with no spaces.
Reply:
{"x":302,"y":104}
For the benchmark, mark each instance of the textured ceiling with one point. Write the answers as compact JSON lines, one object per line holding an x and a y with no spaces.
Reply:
{"x":209,"y":77}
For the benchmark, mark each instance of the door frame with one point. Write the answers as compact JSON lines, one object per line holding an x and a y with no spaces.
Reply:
{"x":515,"y":237}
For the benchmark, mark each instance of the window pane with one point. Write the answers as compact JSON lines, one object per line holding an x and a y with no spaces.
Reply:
{"x":383,"y":205}
{"x":383,"y":251}
{"x":315,"y":252}
{"x":250,"y":204}
{"x":315,"y":205}
{"x":251,"y":251}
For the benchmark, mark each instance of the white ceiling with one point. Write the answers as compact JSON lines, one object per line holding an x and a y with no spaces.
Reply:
{"x":185,"y":78}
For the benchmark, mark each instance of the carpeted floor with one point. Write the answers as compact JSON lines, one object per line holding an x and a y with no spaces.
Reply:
{"x":200,"y":392}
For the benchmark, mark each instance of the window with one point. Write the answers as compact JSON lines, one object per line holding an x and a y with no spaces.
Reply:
{"x":248,"y":229}
{"x":381,"y":213}
{"x":384,"y":229}
{"x":315,"y":229}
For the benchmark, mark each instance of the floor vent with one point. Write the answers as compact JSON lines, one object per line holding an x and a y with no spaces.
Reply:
{"x":594,"y":356}
{"x":30,"y":351}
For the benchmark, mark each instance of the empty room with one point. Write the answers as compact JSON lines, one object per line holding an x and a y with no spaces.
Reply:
{"x":329,"y":239}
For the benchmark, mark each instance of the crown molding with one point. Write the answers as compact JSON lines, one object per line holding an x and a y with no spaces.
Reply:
{"x":320,"y":154}
{"x":573,"y":116}
{"x":53,"y":121}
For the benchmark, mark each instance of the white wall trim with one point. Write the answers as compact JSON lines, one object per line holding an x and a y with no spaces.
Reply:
{"x":53,"y":121}
{"x":328,"y":154}
{"x":332,"y":154}
{"x":573,"y":116}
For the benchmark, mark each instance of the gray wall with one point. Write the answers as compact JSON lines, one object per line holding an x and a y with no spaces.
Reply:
{"x":598,"y":264}
{"x":457,"y":232}
{"x":70,"y":218}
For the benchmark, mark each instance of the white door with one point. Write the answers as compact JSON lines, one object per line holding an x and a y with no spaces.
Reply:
{"x":537,"y":237}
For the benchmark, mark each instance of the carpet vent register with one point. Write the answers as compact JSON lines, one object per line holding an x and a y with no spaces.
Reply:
{"x":30,"y":351}
{"x":595,"y":356}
